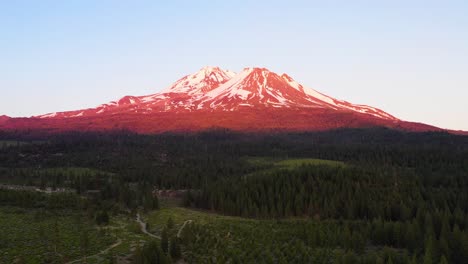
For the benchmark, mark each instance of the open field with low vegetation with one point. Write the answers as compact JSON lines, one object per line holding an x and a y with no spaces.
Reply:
{"x":293,"y":163}
{"x":213,"y":238}
{"x":38,"y":236}
{"x":290,"y":162}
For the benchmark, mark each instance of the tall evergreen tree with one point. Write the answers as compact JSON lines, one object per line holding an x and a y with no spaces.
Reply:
{"x":164,"y":241}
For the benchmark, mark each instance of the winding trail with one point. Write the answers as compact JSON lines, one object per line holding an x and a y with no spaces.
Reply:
{"x":102,"y":252}
{"x":145,"y":231}
{"x":182,"y":227}
{"x":143,"y":227}
{"x":119,"y":241}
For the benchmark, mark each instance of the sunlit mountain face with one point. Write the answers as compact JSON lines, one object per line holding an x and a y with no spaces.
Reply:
{"x":254,"y":99}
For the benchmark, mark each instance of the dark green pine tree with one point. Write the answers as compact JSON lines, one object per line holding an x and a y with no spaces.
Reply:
{"x":170,"y":223}
{"x":389,"y":260}
{"x":429,"y":251}
{"x":175,"y":251}
{"x":379,"y":260}
{"x":443,"y":260}
{"x":164,"y":241}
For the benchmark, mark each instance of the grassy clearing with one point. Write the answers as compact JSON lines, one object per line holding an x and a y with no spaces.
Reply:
{"x":212,"y":238}
{"x":293,"y":163}
{"x":30,"y":235}
{"x":34,"y":236}
{"x":269,"y":165}
{"x":158,"y":219}
{"x":125,"y":230}
{"x":223,"y":239}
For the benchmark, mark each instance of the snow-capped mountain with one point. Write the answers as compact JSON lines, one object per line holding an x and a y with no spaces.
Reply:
{"x":252,"y":99}
{"x":212,"y":88}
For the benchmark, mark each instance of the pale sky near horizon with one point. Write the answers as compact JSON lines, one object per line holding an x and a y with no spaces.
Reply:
{"x":409,"y":58}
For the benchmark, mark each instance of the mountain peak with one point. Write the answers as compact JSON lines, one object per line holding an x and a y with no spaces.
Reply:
{"x":203,"y":81}
{"x":209,"y":69}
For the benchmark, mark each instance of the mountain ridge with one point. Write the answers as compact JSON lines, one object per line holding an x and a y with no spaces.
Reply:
{"x":253,"y":99}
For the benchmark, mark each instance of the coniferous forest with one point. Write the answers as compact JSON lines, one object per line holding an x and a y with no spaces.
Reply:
{"x":343,"y":196}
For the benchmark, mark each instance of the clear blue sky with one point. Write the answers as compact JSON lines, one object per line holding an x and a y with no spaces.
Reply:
{"x":408,"y":57}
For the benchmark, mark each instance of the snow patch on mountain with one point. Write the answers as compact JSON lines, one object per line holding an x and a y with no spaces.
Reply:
{"x":48,"y":115}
